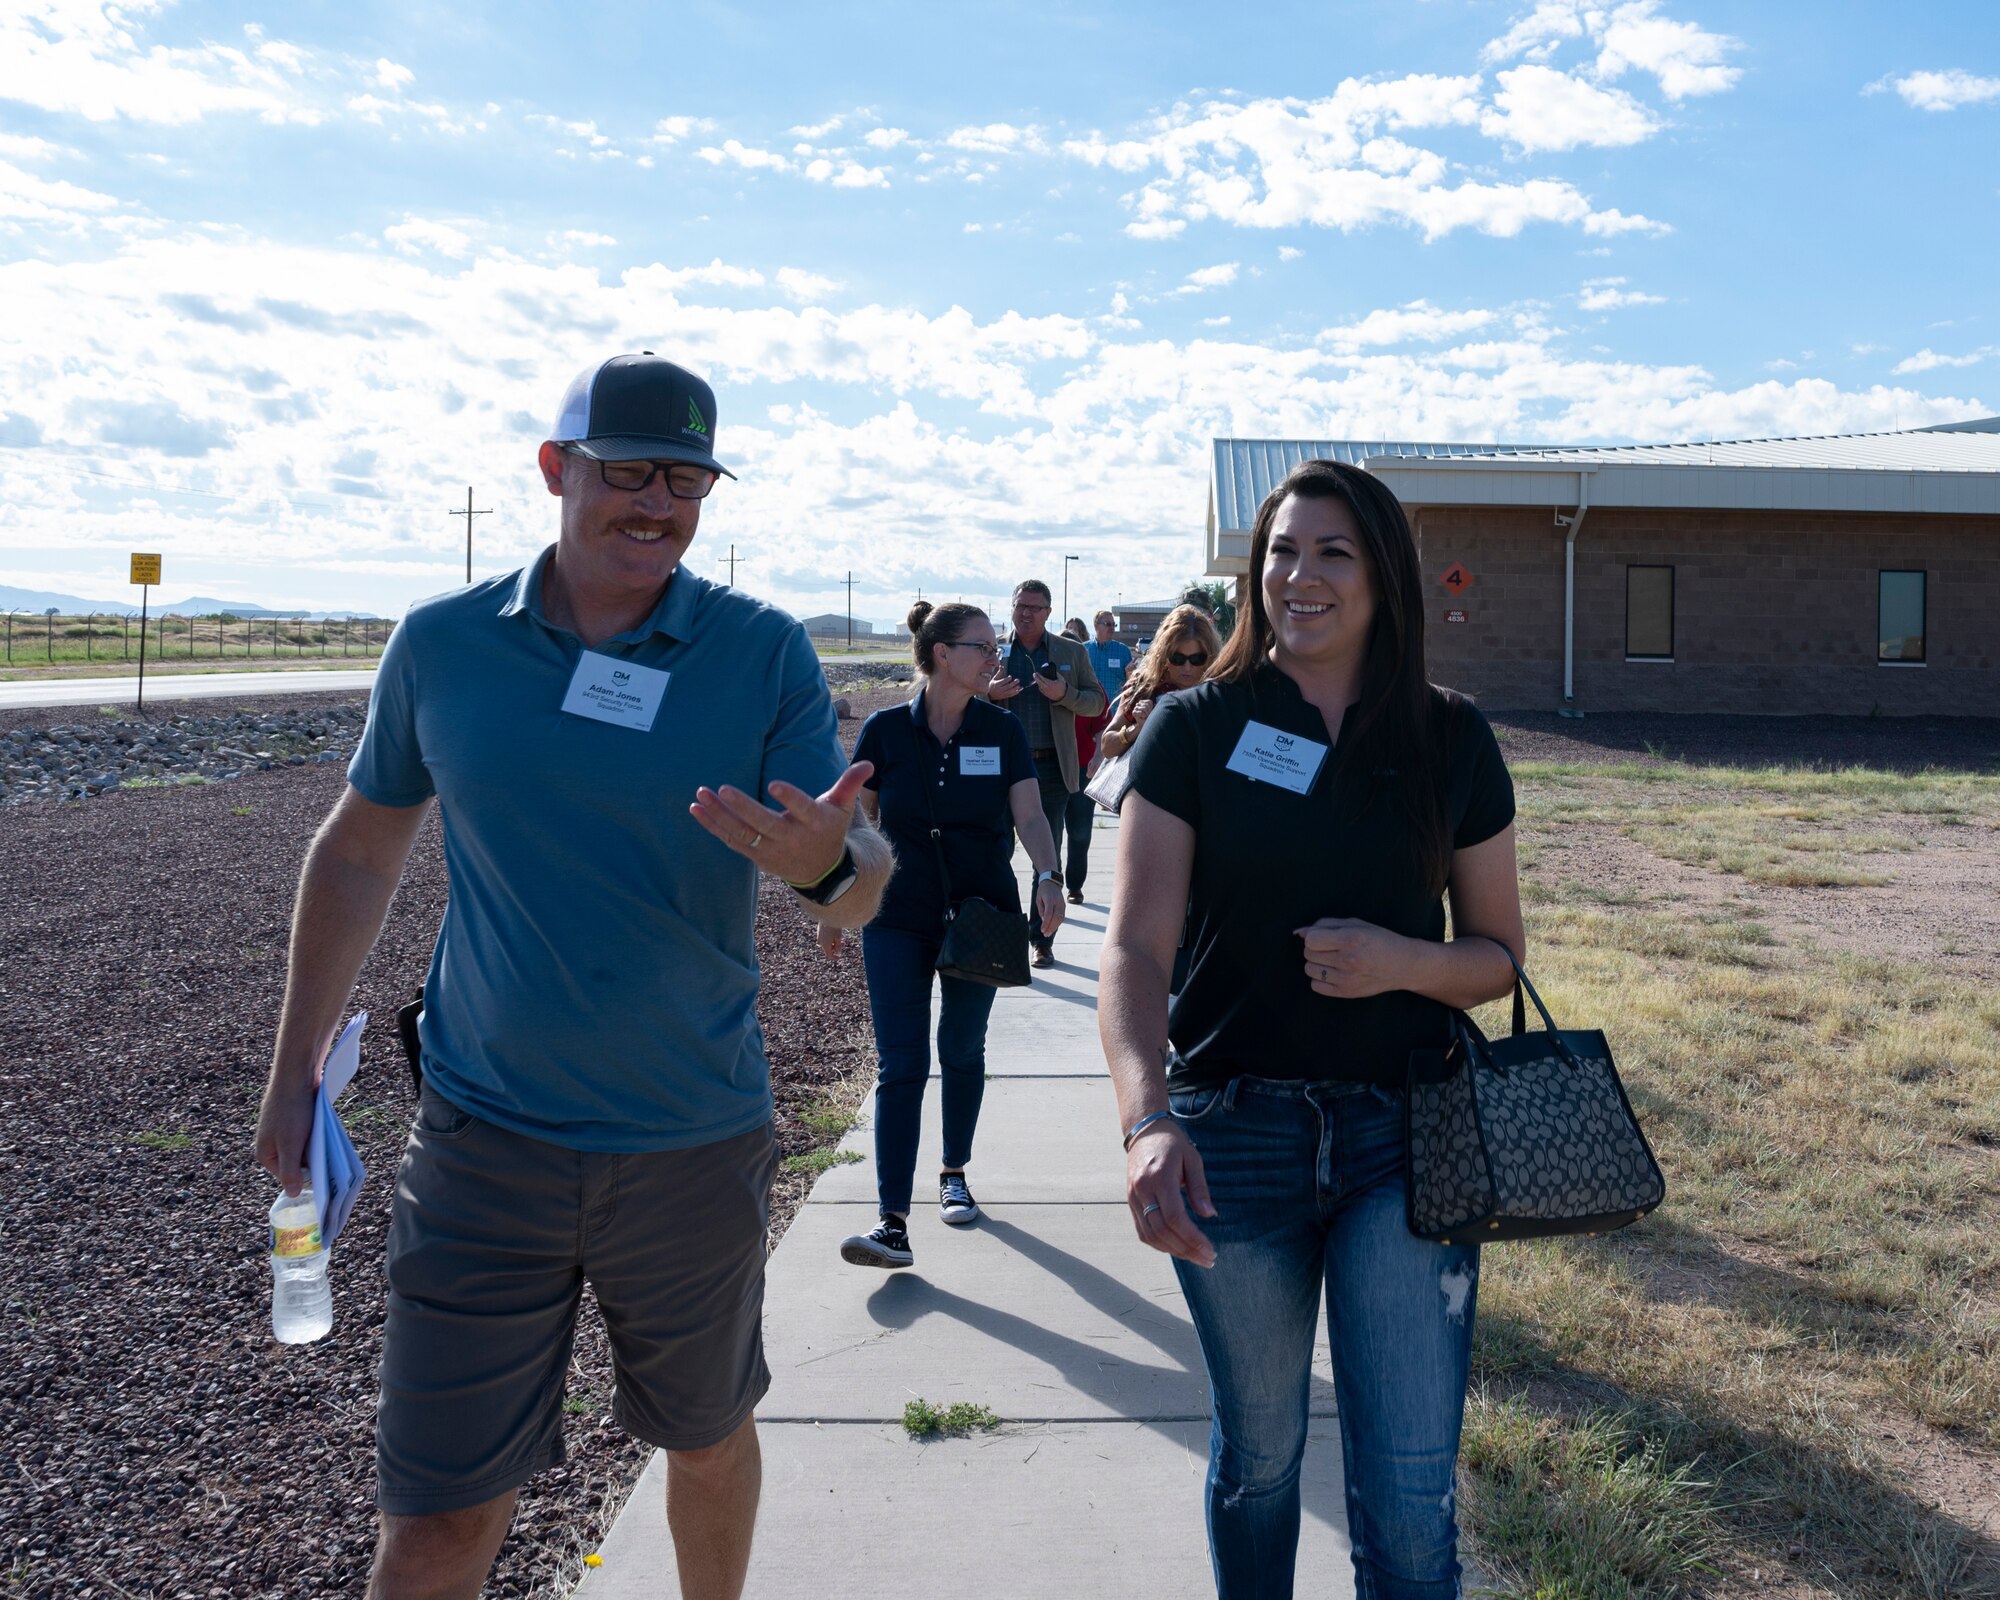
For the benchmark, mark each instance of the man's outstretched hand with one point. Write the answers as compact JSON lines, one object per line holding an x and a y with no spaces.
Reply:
{"x":801,"y":842}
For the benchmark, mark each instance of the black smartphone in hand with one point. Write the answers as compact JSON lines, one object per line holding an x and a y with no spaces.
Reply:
{"x":1048,"y":669}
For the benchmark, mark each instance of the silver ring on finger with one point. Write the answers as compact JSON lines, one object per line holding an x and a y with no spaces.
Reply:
{"x":755,"y":840}
{"x":1155,"y":1206}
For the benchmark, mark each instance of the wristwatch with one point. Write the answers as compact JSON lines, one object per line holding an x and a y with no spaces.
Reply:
{"x":1048,"y":877}
{"x":837,"y":881}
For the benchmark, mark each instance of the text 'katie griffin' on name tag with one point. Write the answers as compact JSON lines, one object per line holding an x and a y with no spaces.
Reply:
{"x":622,"y":693}
{"x":1268,"y":755}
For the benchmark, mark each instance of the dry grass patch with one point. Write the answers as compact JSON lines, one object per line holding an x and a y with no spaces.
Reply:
{"x":1731,"y":1387}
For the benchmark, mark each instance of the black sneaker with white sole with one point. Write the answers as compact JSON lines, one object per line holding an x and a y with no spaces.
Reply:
{"x":887,"y":1244}
{"x":955,"y":1202}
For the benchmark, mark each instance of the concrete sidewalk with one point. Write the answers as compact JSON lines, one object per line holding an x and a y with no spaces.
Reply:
{"x":1048,"y":1311}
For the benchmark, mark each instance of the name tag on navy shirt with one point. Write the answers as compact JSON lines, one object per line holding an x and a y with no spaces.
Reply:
{"x":1289,"y":760}
{"x":979,"y":761}
{"x":622,"y":693}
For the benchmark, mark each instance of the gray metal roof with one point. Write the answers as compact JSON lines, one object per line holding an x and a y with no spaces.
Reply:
{"x":1918,"y":450}
{"x":1947,"y":469}
{"x":1247,"y":470}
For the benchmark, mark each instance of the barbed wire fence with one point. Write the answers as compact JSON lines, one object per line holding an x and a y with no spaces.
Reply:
{"x":84,"y":638}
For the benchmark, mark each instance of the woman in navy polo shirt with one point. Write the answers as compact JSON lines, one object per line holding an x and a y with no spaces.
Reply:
{"x":952,"y":756}
{"x":1307,"y":809}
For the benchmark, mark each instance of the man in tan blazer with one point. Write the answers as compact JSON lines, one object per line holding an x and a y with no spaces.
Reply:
{"x":1048,"y":682}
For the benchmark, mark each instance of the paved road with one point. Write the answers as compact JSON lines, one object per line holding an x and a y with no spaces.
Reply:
{"x":177,"y":686}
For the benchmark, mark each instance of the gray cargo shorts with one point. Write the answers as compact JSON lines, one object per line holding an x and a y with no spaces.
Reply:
{"x":491,"y":1241}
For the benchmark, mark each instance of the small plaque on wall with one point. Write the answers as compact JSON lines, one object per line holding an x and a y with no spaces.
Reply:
{"x":1457,"y":616}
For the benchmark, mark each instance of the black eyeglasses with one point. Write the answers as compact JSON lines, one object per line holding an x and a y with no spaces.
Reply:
{"x":1194,"y":658}
{"x":684,"y":480}
{"x":991,"y":651}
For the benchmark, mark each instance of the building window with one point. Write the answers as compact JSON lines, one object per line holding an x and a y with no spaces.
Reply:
{"x":1899,"y":612}
{"x":1649,"y":613}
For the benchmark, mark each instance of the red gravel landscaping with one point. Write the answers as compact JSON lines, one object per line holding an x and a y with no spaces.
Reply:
{"x":153,"y":1439}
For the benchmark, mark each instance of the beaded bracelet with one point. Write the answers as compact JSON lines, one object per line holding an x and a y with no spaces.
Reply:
{"x":1142,"y":1125}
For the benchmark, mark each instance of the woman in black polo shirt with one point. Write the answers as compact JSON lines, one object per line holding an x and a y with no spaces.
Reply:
{"x":1307,"y":808}
{"x":951,"y":756}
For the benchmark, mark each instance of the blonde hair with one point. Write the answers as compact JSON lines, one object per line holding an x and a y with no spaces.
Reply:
{"x":1184,"y":625}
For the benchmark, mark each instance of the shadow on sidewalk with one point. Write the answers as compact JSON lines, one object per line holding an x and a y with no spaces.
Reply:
{"x":905,"y":1298}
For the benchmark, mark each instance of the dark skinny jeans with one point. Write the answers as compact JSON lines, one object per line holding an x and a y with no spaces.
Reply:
{"x":900,"y":966}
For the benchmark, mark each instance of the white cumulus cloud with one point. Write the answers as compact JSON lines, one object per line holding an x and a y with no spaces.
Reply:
{"x":805,"y":286}
{"x":1538,"y":108}
{"x":996,"y":138}
{"x":1940,"y":91}
{"x":1927,"y":360}
{"x":1203,"y":279}
{"x":1339,"y":162}
{"x":88,"y":60}
{"x":1419,"y":322}
{"x":736,"y":153}
{"x":846,"y":174}
{"x":418,"y":235}
{"x":1685,"y":58}
{"x":1609,"y":294}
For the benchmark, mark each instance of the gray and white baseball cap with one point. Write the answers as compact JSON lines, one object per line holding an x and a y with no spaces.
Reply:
{"x":640,"y":408}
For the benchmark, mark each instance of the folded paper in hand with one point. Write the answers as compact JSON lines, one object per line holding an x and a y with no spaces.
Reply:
{"x":336,"y":1170}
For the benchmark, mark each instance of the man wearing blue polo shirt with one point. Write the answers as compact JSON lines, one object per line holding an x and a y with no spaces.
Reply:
{"x":596,"y":730}
{"x":1110,"y":659}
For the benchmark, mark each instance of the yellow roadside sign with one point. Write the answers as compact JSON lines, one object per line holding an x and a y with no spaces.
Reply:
{"x":145,"y":569}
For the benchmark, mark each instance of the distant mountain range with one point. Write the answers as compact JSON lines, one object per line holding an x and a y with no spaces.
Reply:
{"x":69,"y":605}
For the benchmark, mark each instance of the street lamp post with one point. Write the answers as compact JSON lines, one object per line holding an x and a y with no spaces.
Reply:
{"x":1065,"y":610}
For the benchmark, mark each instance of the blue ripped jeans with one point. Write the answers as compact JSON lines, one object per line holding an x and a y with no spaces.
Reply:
{"x":1308,"y":1182}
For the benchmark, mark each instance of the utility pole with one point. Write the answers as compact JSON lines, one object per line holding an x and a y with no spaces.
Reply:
{"x":850,"y":611}
{"x":733,"y":559}
{"x":1065,"y":611}
{"x":468,"y":513}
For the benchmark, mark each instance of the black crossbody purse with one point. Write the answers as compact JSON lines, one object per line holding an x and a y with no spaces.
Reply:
{"x":1523,"y":1137}
{"x":982,"y":943}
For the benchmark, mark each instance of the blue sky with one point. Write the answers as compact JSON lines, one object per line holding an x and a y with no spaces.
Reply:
{"x":975,"y":284}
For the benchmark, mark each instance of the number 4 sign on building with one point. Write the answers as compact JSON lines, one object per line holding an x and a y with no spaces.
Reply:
{"x":1456,"y":579}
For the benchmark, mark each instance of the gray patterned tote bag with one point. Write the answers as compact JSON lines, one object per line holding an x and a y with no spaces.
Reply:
{"x":1522,"y":1137}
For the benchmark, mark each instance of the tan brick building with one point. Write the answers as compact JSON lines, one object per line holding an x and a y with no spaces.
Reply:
{"x":1855,"y":574}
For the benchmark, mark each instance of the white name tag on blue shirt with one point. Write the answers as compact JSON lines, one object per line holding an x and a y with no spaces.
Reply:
{"x":1286,"y":759}
{"x":622,"y":693}
{"x":979,"y":761}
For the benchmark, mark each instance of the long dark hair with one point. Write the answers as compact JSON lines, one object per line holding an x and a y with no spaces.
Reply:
{"x":931,"y":626}
{"x":1400,"y":720}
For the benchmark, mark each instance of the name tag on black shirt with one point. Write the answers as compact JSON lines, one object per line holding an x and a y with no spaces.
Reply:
{"x":1267,"y":755}
{"x":979,"y":761}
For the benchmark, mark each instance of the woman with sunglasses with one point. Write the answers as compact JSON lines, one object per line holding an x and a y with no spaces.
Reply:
{"x":954,"y":762}
{"x":1314,"y":802}
{"x":1182,"y":652}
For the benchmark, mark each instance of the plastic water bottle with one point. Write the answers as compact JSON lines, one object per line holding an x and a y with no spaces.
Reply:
{"x":301,"y":1298}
